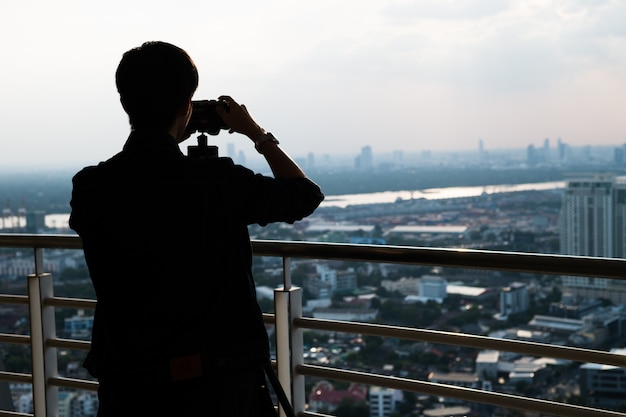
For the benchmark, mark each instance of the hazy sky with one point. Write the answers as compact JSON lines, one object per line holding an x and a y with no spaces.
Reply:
{"x":325,"y":76}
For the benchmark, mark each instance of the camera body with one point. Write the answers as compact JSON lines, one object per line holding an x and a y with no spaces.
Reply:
{"x":204,"y":118}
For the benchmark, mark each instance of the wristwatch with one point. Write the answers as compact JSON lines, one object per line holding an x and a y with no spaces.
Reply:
{"x":265,"y":137}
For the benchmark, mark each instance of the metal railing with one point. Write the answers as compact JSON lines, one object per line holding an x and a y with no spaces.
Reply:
{"x":290,"y":323}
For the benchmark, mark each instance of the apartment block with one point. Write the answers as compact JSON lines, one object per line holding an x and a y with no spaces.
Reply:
{"x":593,"y":214}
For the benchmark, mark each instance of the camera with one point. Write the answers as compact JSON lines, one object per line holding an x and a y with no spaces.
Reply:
{"x":204,"y":118}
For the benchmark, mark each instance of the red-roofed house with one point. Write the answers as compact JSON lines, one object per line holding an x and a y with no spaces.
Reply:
{"x":325,"y":397}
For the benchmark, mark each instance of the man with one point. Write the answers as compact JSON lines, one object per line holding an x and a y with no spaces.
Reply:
{"x":177,"y":329}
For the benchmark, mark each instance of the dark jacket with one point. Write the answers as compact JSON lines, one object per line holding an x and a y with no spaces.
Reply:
{"x":166,"y":241}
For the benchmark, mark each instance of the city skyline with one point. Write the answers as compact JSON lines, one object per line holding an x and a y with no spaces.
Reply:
{"x":327,"y":78}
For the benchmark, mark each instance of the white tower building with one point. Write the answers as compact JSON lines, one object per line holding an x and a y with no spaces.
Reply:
{"x":587,"y":217}
{"x":593,"y":223}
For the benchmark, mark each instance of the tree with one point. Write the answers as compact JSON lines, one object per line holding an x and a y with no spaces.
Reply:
{"x":407,"y":406}
{"x":74,"y":274}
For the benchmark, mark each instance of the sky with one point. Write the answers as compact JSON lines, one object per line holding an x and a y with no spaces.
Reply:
{"x":324,"y":76}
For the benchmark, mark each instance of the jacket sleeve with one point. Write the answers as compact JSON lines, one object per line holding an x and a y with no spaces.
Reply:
{"x":267,"y":200}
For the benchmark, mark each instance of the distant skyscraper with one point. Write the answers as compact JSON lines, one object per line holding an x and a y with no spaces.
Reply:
{"x":242,"y":158}
{"x":364,"y":159}
{"x":562,"y":150}
{"x":230,"y":150}
{"x":310,"y":160}
{"x":593,"y":214}
{"x":618,"y":156}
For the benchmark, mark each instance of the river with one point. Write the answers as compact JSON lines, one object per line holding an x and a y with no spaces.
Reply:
{"x":434,"y":193}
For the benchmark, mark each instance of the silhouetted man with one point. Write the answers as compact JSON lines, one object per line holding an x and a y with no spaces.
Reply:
{"x":177,"y":328}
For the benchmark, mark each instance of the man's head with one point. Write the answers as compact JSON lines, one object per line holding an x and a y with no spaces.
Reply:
{"x":154,"y":81}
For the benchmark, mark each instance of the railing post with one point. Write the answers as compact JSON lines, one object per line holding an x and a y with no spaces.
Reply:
{"x":297,"y":351}
{"x":42,"y":328}
{"x":289,"y":346}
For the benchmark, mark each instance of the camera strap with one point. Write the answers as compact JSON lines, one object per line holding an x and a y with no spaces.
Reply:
{"x":278,"y":389}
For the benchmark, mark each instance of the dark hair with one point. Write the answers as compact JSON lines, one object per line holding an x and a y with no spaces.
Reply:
{"x":154,"y":80}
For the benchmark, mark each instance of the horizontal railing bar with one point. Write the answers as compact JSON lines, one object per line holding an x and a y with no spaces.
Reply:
{"x":458,"y":258}
{"x":467,"y":340}
{"x":70,"y":344}
{"x":13,"y":299}
{"x":33,"y":240}
{"x":4,"y":413}
{"x":73,"y":383}
{"x":16,"y":377}
{"x":269,"y":318}
{"x":450,"y":391}
{"x":70,"y":302}
{"x":20,"y":339}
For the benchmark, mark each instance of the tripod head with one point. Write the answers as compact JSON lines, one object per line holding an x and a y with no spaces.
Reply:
{"x":202,"y":150}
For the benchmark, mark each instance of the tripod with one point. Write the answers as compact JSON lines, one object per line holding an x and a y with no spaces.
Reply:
{"x":202,"y":149}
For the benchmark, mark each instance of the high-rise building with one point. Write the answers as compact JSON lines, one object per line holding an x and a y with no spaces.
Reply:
{"x":534,"y":156}
{"x":230,"y":150}
{"x":593,"y":223}
{"x":366,"y":157}
{"x":513,"y":299}
{"x":618,"y":156}
{"x":310,"y":161}
{"x":587,"y":217}
{"x":562,"y":149}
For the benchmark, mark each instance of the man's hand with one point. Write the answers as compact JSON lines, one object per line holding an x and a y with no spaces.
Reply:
{"x":238,"y":119}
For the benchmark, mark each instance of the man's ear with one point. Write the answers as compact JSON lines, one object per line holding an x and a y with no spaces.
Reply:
{"x":180,"y":125}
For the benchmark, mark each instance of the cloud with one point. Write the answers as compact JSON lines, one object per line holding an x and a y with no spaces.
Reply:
{"x":331,"y":75}
{"x":410,"y":10}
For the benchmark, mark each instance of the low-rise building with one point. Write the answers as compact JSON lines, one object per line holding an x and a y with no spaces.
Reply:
{"x":487,"y":364}
{"x":79,"y":326}
{"x":603,"y":385}
{"x":382,"y":401}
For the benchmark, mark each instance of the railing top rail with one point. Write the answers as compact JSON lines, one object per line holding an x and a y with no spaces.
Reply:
{"x":37,"y":241}
{"x":457,"y":258}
